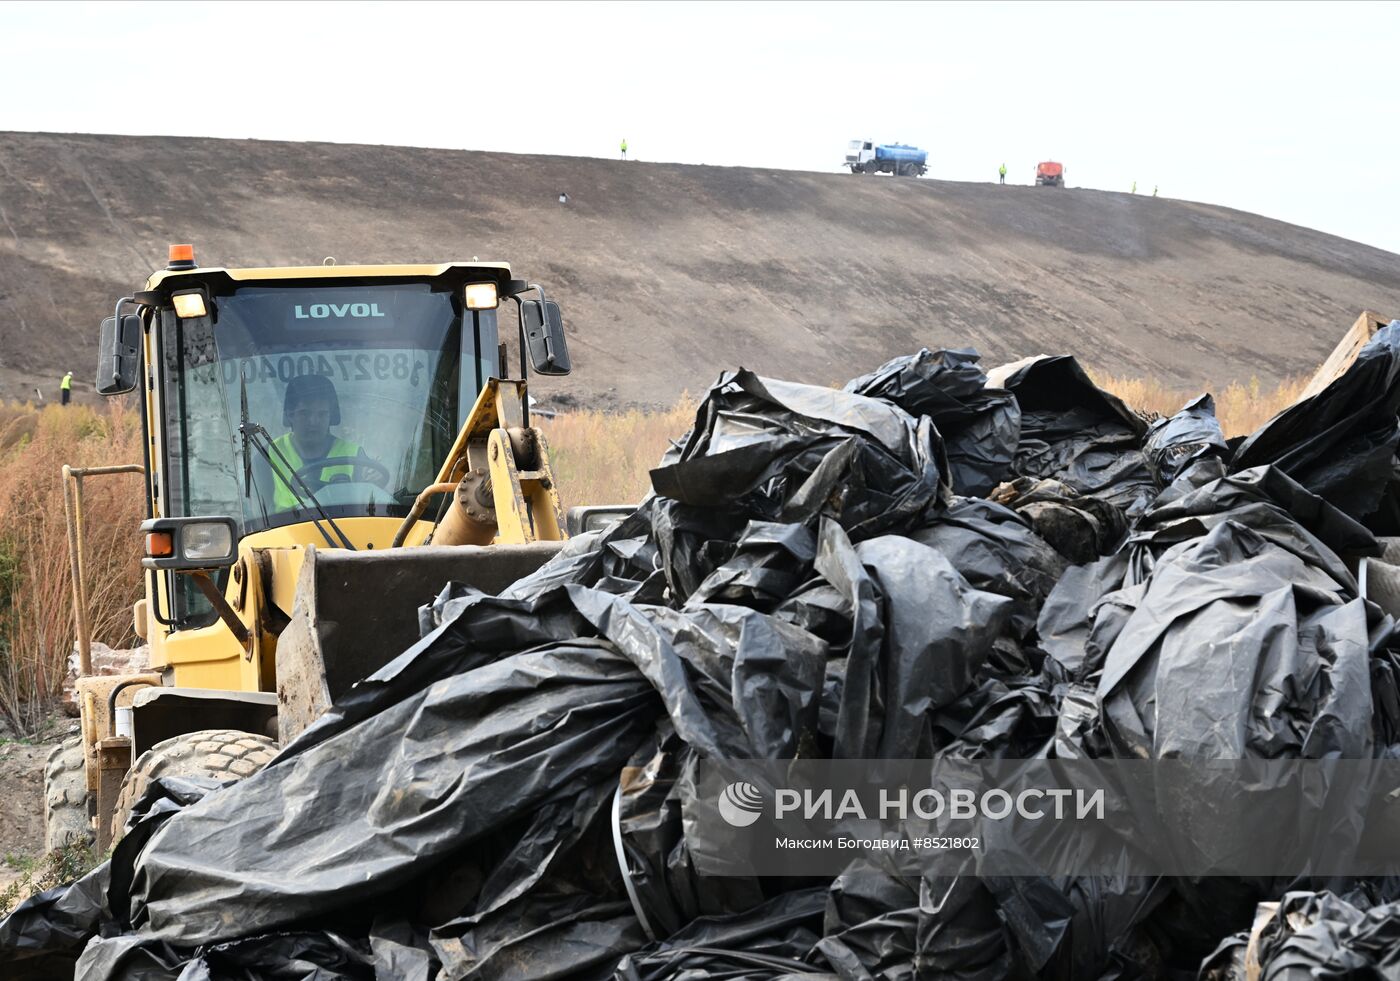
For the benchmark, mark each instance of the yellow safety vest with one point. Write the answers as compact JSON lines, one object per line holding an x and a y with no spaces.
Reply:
{"x":283,"y":497}
{"x":67,"y":382}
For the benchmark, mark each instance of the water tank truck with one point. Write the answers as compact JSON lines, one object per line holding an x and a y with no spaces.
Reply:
{"x":868,"y":157}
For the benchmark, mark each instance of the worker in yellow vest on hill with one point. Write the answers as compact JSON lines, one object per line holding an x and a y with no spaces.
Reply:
{"x":65,"y":387}
{"x":624,"y":148}
{"x":1002,"y":174}
{"x":311,"y":407}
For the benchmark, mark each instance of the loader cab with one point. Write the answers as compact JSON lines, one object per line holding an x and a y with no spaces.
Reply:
{"x":278,"y":375}
{"x":311,"y":405}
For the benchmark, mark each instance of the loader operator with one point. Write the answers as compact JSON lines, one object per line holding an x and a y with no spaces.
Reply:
{"x":311,"y":407}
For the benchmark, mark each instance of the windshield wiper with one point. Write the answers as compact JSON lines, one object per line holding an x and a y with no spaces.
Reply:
{"x":262,"y":441}
{"x":248,"y":457}
{"x":251,"y":431}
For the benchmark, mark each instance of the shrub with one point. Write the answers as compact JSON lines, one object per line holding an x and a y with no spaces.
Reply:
{"x":36,"y":611}
{"x":59,"y":867}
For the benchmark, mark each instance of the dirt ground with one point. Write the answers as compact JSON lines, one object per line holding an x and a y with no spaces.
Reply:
{"x":22,"y":800}
{"x":670,"y":273}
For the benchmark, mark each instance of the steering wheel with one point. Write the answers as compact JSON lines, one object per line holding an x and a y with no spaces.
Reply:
{"x":311,"y":471}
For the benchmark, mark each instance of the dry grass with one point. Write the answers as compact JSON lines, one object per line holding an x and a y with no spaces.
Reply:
{"x":1241,"y":407}
{"x":36,"y":619}
{"x":603,"y":457}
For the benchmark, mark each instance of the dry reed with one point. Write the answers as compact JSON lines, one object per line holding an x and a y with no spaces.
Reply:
{"x":603,"y":457}
{"x":36,"y":620}
{"x":1241,"y":407}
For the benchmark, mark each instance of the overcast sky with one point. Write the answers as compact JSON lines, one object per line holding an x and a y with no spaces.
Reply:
{"x":1289,"y":110}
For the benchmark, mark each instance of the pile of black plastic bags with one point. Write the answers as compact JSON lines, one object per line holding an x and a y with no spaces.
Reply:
{"x":918,"y":566}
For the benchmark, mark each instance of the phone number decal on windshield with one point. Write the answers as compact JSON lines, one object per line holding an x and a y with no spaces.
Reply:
{"x":346,"y":367}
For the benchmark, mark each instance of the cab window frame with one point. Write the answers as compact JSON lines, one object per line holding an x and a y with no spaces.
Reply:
{"x":477,"y":358}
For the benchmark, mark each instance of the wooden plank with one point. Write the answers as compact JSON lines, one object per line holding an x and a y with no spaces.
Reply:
{"x":1263,"y":913}
{"x":1344,"y":353}
{"x":996,"y":377}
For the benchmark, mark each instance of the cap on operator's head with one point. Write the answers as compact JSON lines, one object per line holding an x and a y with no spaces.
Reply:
{"x":305,"y":388}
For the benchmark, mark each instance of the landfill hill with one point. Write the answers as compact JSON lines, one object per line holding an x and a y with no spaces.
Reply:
{"x":669,"y":273}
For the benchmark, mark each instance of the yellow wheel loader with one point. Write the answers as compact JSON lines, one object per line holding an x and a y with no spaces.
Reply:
{"x":326,"y":447}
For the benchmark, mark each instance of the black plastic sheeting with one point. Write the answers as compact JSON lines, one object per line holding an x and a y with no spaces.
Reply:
{"x":982,"y":426}
{"x":917,"y":566}
{"x":1192,"y":435}
{"x":1316,"y":935}
{"x":1341,"y":442}
{"x":1077,"y":434}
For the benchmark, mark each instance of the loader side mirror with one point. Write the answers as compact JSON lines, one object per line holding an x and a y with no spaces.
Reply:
{"x":119,"y":361}
{"x":542,"y":325}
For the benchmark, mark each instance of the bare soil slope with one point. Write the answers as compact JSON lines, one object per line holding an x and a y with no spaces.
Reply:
{"x":669,"y":273}
{"x":21,"y":806}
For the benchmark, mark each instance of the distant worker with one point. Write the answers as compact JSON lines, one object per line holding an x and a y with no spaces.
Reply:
{"x":563,"y":197}
{"x":1002,"y":173}
{"x":1134,"y":187}
{"x":66,"y":387}
{"x":310,"y":408}
{"x":624,"y":148}
{"x":1154,"y":190}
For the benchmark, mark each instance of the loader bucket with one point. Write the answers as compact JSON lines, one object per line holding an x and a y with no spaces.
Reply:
{"x":356,"y":611}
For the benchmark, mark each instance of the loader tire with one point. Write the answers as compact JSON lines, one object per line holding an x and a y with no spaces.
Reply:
{"x":66,"y":818}
{"x":220,"y":754}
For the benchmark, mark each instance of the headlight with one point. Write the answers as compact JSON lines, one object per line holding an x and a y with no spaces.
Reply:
{"x":481,"y":296}
{"x":207,"y":540}
{"x":190,"y":305}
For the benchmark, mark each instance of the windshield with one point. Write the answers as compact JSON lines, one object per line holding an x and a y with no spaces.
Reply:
{"x":361,"y":390}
